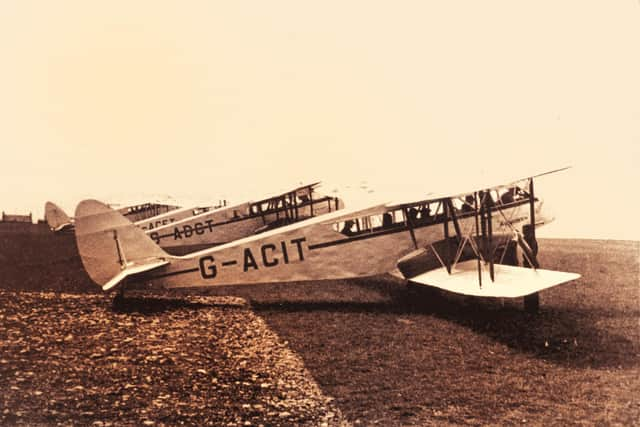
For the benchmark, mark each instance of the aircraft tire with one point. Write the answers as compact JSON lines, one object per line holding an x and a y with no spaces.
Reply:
{"x":119,"y":300}
{"x":532,"y":303}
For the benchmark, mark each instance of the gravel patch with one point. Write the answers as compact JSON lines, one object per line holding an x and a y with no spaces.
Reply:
{"x":77,"y":360}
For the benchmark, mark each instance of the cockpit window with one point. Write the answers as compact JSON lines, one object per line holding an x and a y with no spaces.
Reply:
{"x":197,"y":211}
{"x":512,"y":194}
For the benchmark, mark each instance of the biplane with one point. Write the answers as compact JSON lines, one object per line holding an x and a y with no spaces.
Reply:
{"x":186,"y":230}
{"x":456,"y":242}
{"x":58,"y":220}
{"x":230,"y":223}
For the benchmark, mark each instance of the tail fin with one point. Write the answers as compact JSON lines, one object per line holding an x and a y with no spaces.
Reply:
{"x":112,"y":247}
{"x":56,"y":218}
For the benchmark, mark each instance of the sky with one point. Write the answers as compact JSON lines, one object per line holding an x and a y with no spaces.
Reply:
{"x":206,"y":100}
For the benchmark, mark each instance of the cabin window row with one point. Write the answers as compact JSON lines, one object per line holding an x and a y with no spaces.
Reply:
{"x":424,"y":213}
{"x":371,"y":223}
{"x":285,"y":202}
{"x":279,"y":203}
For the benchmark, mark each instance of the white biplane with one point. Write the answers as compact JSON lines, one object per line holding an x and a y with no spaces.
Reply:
{"x":453,"y":242}
{"x":58,"y":220}
{"x":230,"y":223}
{"x":186,"y":230}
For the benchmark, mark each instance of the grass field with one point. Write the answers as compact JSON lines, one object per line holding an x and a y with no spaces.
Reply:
{"x":392,"y":356}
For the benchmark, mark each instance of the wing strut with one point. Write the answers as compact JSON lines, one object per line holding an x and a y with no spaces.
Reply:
{"x":532,"y":301}
{"x":411,"y":225}
{"x":532,"y":216}
{"x":488,"y":201}
{"x":475,"y":212}
{"x":294,"y":206}
{"x":446,"y":237}
{"x":486,"y":230}
{"x":454,"y":218}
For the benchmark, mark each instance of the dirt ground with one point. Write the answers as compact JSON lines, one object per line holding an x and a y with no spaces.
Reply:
{"x":362,"y":352}
{"x":74,"y":359}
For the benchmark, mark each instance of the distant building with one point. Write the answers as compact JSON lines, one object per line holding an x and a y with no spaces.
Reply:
{"x":17,"y":218}
{"x":10,"y":223}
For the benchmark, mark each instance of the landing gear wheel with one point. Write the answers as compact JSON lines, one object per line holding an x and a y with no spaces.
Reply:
{"x":119,"y":299}
{"x":532,"y":303}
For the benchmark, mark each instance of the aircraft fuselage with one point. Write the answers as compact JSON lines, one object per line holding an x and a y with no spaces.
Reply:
{"x":322,"y":250}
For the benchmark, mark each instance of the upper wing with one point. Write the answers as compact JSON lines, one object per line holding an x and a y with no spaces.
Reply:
{"x":485,"y":183}
{"x":284,"y":193}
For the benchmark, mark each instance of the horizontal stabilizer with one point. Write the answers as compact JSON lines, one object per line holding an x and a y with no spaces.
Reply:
{"x":131,"y":270}
{"x":510,"y":281}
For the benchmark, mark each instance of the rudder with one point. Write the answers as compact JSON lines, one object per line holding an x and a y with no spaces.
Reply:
{"x":56,"y":218}
{"x":112,"y":247}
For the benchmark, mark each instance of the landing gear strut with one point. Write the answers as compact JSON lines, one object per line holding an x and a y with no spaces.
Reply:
{"x":531,"y":302}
